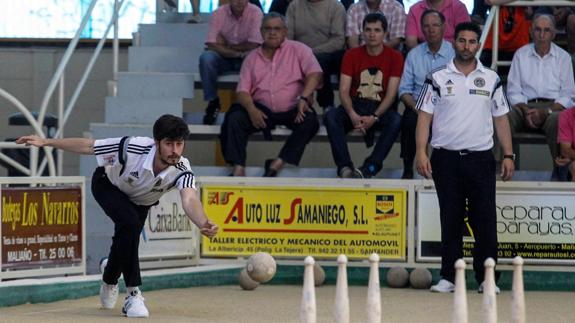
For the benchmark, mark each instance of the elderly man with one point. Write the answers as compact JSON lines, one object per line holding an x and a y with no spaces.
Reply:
{"x":368,"y":87}
{"x":320,"y":24}
{"x":454,"y":12}
{"x":233,"y":33}
{"x":276,"y":87}
{"x":426,"y":57}
{"x":391,"y":9}
{"x":540,"y":83}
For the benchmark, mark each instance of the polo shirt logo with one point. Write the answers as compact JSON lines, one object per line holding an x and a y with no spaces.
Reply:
{"x":479,"y":92}
{"x":479,"y":82}
{"x":449,"y":90}
{"x":449,"y":82}
{"x":135,"y":174}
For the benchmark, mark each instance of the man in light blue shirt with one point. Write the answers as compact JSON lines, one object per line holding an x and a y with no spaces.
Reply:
{"x":433,"y":53}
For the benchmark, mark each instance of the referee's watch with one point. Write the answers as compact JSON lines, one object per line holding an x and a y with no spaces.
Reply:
{"x":512,"y":157}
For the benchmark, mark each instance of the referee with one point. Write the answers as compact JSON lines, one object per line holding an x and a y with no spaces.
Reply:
{"x":133,"y":173}
{"x":465,"y":100}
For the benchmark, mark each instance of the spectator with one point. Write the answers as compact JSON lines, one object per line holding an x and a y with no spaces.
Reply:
{"x":564,"y":19}
{"x":540,"y":84}
{"x":368,"y":88}
{"x":454,"y":12}
{"x":391,"y":9}
{"x":320,"y":24}
{"x":233,"y":33}
{"x":424,"y":58}
{"x":514,"y":25}
{"x":280,"y":6}
{"x":276,"y":87}
{"x":566,"y":140}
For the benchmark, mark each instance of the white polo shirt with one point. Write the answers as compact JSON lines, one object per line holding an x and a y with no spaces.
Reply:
{"x":129,"y":165}
{"x":463,"y":107}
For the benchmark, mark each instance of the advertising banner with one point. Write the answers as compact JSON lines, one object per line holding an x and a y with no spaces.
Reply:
{"x":168,"y":231}
{"x":302,"y":221}
{"x":41,"y":227}
{"x":538,"y":226}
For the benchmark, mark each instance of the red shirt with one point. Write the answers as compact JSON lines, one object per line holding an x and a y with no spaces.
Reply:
{"x":370,"y":74}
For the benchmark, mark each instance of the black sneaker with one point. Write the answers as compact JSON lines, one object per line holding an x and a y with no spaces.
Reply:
{"x":212,"y":111}
{"x":368,"y":171}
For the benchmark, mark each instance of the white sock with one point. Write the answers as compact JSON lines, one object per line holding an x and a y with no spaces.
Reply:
{"x":129,"y":290}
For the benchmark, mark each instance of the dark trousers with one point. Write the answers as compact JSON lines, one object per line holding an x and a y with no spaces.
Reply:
{"x":408,"y":124}
{"x":129,"y":219}
{"x":338,"y":124}
{"x":459,"y":178}
{"x":330,"y":63}
{"x":237,"y":128}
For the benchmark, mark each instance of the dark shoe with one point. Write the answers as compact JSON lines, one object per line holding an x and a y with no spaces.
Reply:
{"x":368,"y":171}
{"x":268,"y":172}
{"x":407,"y":174}
{"x":212,"y":111}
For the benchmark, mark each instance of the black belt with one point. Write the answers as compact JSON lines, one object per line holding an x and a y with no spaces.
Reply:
{"x":537,"y":100}
{"x":461,"y":152}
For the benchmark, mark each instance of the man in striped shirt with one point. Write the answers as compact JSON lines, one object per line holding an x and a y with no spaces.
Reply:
{"x":132,"y":174}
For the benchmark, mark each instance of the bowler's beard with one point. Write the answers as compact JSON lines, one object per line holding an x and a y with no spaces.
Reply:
{"x":166,"y":161}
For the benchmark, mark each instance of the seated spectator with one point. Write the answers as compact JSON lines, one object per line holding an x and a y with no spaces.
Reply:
{"x":566,"y":140}
{"x":368,"y":88}
{"x":233,"y":32}
{"x":540,"y":84}
{"x":454,"y":12}
{"x":391,"y":9}
{"x":280,"y":6}
{"x":276,"y":87}
{"x":514,"y":26}
{"x":320,"y":24}
{"x":424,"y":58}
{"x":564,"y":20}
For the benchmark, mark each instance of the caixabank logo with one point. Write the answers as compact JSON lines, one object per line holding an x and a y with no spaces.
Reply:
{"x":385,"y":207}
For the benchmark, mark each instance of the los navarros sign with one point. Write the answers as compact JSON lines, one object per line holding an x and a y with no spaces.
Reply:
{"x":41,"y":227}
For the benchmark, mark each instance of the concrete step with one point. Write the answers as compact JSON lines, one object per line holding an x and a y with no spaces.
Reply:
{"x":148,"y":85}
{"x":164,"y":59}
{"x":189,"y":36}
{"x":179,"y":17}
{"x":140,"y":110}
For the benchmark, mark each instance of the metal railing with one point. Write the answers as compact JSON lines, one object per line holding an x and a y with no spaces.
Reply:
{"x":58,"y":81}
{"x":492,"y":23}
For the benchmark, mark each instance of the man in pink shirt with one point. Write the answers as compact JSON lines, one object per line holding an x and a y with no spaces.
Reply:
{"x":232,"y":34}
{"x":454,"y":11}
{"x":566,"y":142}
{"x":276,"y":87}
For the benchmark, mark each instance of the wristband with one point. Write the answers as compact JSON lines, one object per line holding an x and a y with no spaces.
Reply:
{"x":375,"y":117}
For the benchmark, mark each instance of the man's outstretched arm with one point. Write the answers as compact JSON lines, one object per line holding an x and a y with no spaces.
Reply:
{"x":83,"y":146}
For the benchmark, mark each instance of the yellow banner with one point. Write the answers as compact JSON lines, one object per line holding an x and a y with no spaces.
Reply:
{"x":301,"y":221}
